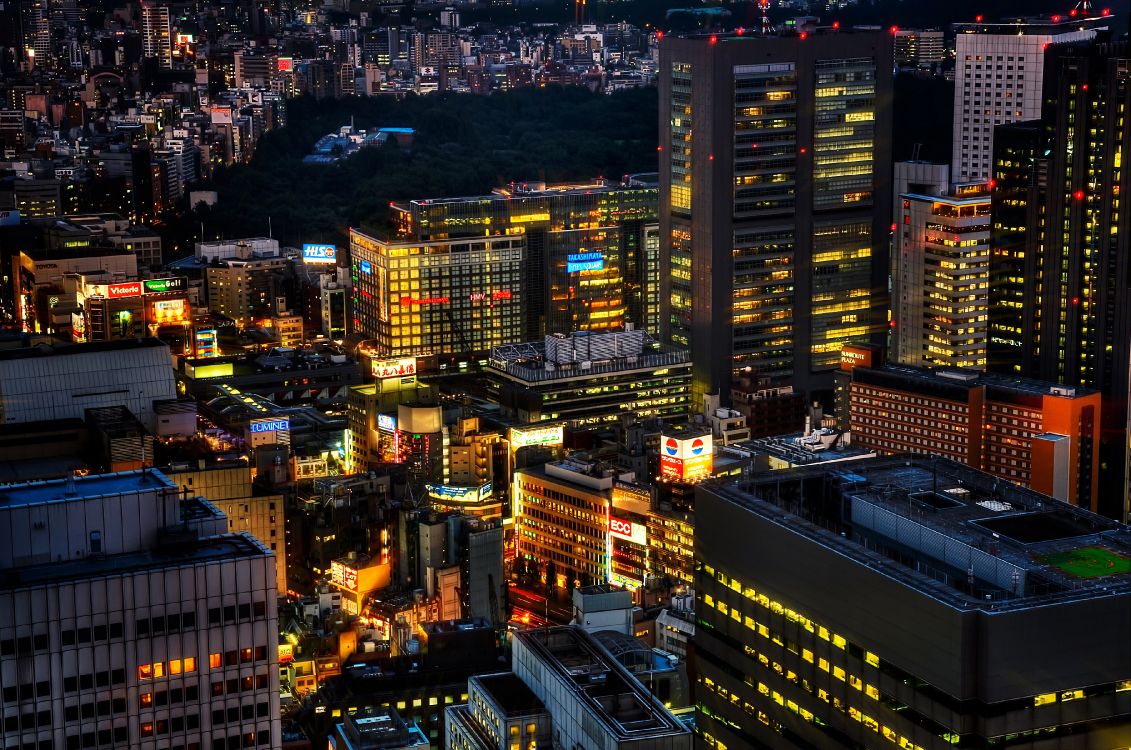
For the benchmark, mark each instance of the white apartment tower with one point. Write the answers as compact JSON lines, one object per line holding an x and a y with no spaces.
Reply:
{"x":940,"y":276}
{"x":999,"y":73}
{"x":130,"y":617}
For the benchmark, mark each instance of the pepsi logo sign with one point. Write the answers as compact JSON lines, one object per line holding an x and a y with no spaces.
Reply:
{"x":697,"y":446}
{"x":671,"y":446}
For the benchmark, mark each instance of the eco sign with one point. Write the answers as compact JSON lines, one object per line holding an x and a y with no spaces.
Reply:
{"x":633,"y":532}
{"x":312,"y":253}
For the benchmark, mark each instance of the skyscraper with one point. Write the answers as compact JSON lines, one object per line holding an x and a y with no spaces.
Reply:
{"x":999,"y":69}
{"x":940,"y":278}
{"x":774,"y":202}
{"x":1061,"y":302}
{"x":907,"y":603}
{"x":156,"y":34}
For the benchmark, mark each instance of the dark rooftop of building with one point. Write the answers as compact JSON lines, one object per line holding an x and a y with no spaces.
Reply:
{"x":380,"y":729}
{"x":1051,"y":24}
{"x":954,"y":384}
{"x":94,"y":347}
{"x":81,"y":488}
{"x":955,"y":533}
{"x":169,"y":554}
{"x":618,"y":700}
{"x":512,"y":694}
{"x":584,"y":354}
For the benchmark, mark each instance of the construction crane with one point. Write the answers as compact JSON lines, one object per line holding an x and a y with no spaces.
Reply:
{"x":767,"y":27}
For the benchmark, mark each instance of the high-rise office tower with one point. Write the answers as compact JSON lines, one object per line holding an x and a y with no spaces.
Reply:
{"x":907,"y":603}
{"x":156,"y":34}
{"x":591,"y":248}
{"x":1060,"y":301}
{"x":130,"y":617}
{"x":37,"y":32}
{"x":774,"y":202}
{"x":940,"y":277}
{"x":999,"y":69}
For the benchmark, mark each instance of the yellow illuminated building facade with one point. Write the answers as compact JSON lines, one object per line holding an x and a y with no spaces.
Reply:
{"x":437,"y":298}
{"x":591,"y":249}
{"x":941,"y":279}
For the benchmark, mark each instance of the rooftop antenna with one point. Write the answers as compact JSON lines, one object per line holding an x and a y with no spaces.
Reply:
{"x":767,"y":27}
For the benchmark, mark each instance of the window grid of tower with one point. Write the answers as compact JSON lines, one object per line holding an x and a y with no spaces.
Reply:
{"x":844,"y":132}
{"x":765,"y":139}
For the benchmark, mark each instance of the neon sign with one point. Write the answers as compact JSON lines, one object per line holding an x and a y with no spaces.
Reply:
{"x":628,"y":530}
{"x":424,"y":300}
{"x":577,"y":262}
{"x":312,"y":253}
{"x":393,"y":368}
{"x":270,"y":425}
{"x":175,"y":284}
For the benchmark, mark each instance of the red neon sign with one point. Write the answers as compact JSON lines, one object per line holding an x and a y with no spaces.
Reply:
{"x":620,"y":527}
{"x":424,"y":300}
{"x":128,"y":289}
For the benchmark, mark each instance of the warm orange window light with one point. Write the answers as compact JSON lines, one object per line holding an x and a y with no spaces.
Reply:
{"x":190,"y":664}
{"x":214,"y":661}
{"x":159,"y":669}
{"x":175,"y":666}
{"x":145,"y":672}
{"x":146,"y":699}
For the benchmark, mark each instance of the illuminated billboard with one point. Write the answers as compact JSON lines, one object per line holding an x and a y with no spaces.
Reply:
{"x":270,"y":425}
{"x":633,"y":532}
{"x":452,"y":494}
{"x":269,"y":431}
{"x":576,"y":262}
{"x":114,"y":291}
{"x":624,"y":581}
{"x":156,"y":286}
{"x":521,"y":437}
{"x":312,"y":253}
{"x":686,"y":458}
{"x":343,"y":576}
{"x":206,"y":344}
{"x":168,"y":311}
{"x":394,"y":368}
{"x":386,"y":422}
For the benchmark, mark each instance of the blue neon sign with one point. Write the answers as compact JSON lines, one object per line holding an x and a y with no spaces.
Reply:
{"x":576,"y":262}
{"x":270,"y":425}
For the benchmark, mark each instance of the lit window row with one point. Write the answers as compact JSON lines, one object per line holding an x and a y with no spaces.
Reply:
{"x":158,"y":669}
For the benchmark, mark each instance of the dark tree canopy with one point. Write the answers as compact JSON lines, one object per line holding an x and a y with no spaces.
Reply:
{"x":465,"y":145}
